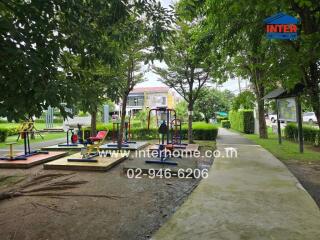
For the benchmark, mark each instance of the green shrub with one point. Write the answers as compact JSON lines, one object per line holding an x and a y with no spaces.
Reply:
{"x":13,"y":131}
{"x":310,"y":134}
{"x":3,"y":134}
{"x":10,"y":129}
{"x":225,"y":124}
{"x":201,"y":131}
{"x":242,"y":120}
{"x":43,"y":120}
{"x":219,"y":119}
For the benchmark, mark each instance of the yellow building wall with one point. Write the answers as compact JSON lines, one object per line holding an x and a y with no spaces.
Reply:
{"x":170,"y":100}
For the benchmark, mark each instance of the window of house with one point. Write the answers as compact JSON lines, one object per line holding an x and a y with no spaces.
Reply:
{"x":135,"y":101}
{"x":164,"y":101}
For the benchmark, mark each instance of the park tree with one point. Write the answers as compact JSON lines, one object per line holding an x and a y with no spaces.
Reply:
{"x":244,"y":100}
{"x":188,"y":67}
{"x":93,"y":85}
{"x":246,"y":48}
{"x":130,"y":74}
{"x":182,"y":110}
{"x":142,"y":45}
{"x":298,"y":61}
{"x":211,"y":101}
{"x":92,"y":52}
{"x":110,"y":64}
{"x":239,"y":32}
{"x":35,"y":36}
{"x":29,"y":51}
{"x":268,"y":64}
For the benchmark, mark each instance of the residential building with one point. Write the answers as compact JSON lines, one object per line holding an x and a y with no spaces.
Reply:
{"x":151,"y":97}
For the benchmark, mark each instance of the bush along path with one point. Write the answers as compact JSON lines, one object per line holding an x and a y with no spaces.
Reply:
{"x":201,"y":131}
{"x":311,"y":135}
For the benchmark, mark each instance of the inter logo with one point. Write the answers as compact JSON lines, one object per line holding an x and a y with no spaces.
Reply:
{"x":281,"y":26}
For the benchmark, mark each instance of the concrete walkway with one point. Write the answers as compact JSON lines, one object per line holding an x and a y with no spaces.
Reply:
{"x":253,"y":196}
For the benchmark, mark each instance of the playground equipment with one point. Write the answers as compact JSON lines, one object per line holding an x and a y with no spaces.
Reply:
{"x":91,"y":143}
{"x":126,"y":133}
{"x":77,"y":124}
{"x":73,"y":140}
{"x":176,"y":134}
{"x":24,"y":130}
{"x":166,"y":114}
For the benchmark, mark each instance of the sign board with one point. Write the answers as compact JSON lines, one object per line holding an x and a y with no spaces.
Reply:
{"x":287,"y":109}
{"x":281,"y":26}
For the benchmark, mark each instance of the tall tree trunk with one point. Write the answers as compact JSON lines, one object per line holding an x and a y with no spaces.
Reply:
{"x":314,"y":94}
{"x":190,"y":118}
{"x":313,"y":90}
{"x":259,"y":92}
{"x":123,"y":118}
{"x":94,"y":121}
{"x":239,"y":84}
{"x":263,"y":132}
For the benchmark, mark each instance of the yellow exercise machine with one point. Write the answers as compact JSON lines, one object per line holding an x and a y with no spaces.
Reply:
{"x":25,"y":129}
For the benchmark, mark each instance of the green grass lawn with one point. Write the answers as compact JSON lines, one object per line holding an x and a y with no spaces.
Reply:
{"x":46,"y":137}
{"x":287,"y":150}
{"x":38,"y":126}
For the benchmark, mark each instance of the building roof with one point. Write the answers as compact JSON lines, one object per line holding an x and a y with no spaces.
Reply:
{"x":275,"y":93}
{"x":281,"y":18}
{"x":282,"y":93}
{"x":150,"y":89}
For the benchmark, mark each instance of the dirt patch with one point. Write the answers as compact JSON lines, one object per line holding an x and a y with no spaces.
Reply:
{"x":136,"y":210}
{"x":313,"y":148}
{"x":308,"y":173}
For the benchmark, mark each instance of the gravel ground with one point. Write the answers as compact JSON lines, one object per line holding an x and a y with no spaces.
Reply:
{"x":308,"y":173}
{"x":138,"y":207}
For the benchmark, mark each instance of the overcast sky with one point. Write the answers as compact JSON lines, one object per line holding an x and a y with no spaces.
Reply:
{"x":153,"y":79}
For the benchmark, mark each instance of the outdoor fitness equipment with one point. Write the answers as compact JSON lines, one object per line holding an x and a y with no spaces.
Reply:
{"x":127,"y":128}
{"x":161,"y":151}
{"x":165,"y":114}
{"x":90,"y":145}
{"x":127,"y":133}
{"x":24,"y":130}
{"x":163,"y":130}
{"x":73,"y":138}
{"x":176,"y":129}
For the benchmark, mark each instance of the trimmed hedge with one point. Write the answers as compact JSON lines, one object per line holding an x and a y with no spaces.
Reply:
{"x":42,"y":120}
{"x":225,"y":124}
{"x":3,"y":134}
{"x":201,"y":131}
{"x":219,"y":119}
{"x":13,"y":131}
{"x":242,"y":120}
{"x":310,"y":134}
{"x":6,"y":132}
